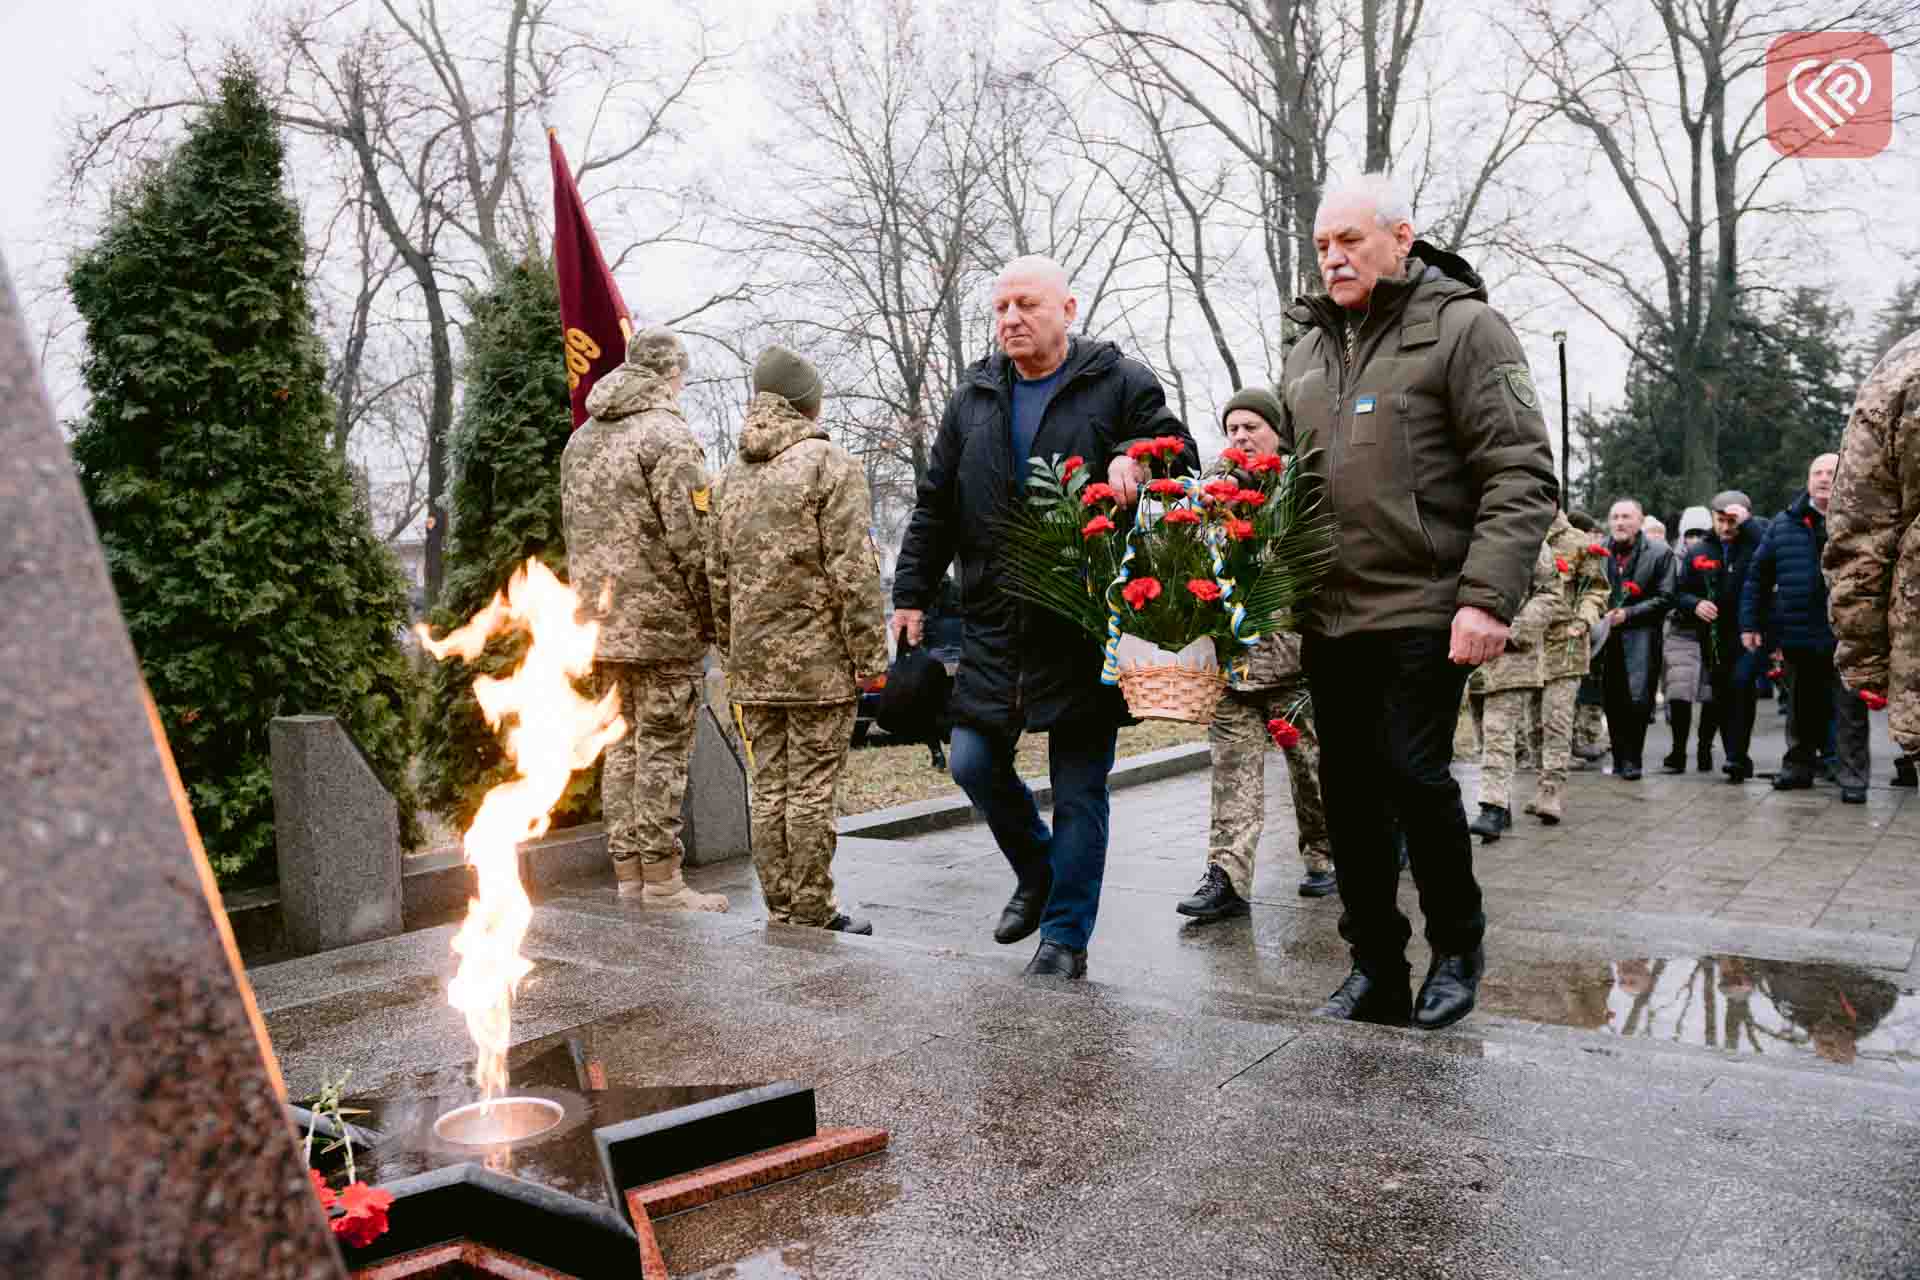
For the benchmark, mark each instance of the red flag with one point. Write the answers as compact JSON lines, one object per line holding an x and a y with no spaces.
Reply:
{"x":593,"y":317}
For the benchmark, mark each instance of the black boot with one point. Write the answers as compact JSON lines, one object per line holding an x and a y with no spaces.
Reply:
{"x":1492,"y":821}
{"x":1448,"y":994}
{"x":1680,"y":716}
{"x":1057,"y":960}
{"x":1364,"y":997}
{"x":1215,"y":899}
{"x":1709,"y":728}
{"x":1903,"y":773}
{"x":1023,"y":911}
{"x":1793,"y":777}
{"x":847,"y":924}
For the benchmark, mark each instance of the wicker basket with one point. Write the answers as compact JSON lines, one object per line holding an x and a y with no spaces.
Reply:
{"x":1172,"y":693}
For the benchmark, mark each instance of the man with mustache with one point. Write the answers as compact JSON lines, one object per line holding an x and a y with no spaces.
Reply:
{"x":1429,"y":449}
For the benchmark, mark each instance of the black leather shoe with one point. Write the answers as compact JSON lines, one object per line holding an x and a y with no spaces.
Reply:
{"x":1022,"y":914}
{"x":1492,"y":821}
{"x":1627,"y":772}
{"x":1056,"y":960}
{"x":1448,"y":994}
{"x":1215,"y":899}
{"x":1904,"y":775}
{"x":1674,"y":763}
{"x":1704,"y":762}
{"x":1853,"y":795}
{"x":847,"y":924}
{"x":1793,"y":777}
{"x":1737,"y":771}
{"x":1363,"y":998}
{"x":1317,"y":884}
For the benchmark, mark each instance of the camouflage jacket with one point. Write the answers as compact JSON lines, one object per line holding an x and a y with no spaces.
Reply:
{"x":797,"y":602}
{"x":1563,"y":606}
{"x":634,"y":496}
{"x":1872,"y":557}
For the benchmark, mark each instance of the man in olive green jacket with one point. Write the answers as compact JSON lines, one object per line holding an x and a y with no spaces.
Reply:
{"x":797,"y":605}
{"x":1435,"y":462}
{"x":634,"y":499}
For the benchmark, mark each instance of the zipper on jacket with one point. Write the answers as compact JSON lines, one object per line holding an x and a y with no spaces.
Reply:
{"x":1433,"y":552}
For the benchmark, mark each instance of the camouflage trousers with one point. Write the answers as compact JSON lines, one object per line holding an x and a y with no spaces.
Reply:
{"x":643,"y":779}
{"x":1513,"y":715}
{"x":1239,"y":739}
{"x":1589,"y":723}
{"x":798,"y":754}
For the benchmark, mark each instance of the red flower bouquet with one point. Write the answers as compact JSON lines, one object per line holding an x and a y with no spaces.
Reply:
{"x":1875,"y":701}
{"x":1285,"y":735}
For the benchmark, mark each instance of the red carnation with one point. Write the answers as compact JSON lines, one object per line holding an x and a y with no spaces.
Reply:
{"x":1596,"y":549}
{"x":1170,"y":488}
{"x":1250,"y":497}
{"x":1776,"y":673}
{"x":1875,"y":701}
{"x":1239,"y":530}
{"x":321,"y":1189}
{"x":1170,"y":446}
{"x":1237,"y":457}
{"x":365,"y":1219}
{"x":1807,"y":521}
{"x":1140,"y":450}
{"x":1072,"y":465}
{"x":1267,"y":462}
{"x":1562,"y":565}
{"x":1222,"y":490}
{"x":1097,"y":492}
{"x":1096,"y":526}
{"x":1139,"y":591}
{"x":1182,"y":515}
{"x":1285,"y":736}
{"x":1633,"y":588}
{"x":1705,"y":564}
{"x":1205,"y":589}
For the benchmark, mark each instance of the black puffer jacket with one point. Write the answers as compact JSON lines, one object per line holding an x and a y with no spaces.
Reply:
{"x":1692,"y":585}
{"x":1021,"y":667}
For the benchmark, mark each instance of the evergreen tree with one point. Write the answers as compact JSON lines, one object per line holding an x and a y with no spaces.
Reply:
{"x":514,"y":422}
{"x":251,"y":583}
{"x":1899,"y":318}
{"x":1785,"y":399}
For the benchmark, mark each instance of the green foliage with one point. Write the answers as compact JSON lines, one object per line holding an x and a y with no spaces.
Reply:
{"x":1273,"y":549}
{"x":1784,"y":400}
{"x":251,"y":583}
{"x":1899,"y":318}
{"x":514,"y":423}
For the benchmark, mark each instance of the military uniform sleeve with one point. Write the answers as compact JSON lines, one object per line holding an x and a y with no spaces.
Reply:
{"x":1535,"y":615}
{"x":928,"y":547}
{"x":1864,"y":522}
{"x":1592,"y":604}
{"x":853,"y":572}
{"x":1499,"y":430}
{"x":718,"y":580}
{"x":682,"y":495}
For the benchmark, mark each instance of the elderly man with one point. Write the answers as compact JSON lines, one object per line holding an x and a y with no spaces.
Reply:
{"x":1045,"y":394}
{"x":1434,"y":459}
{"x":1640,"y":575}
{"x":1734,"y":542}
{"x":1786,"y":598}
{"x":1872,"y":558}
{"x":634,"y":499}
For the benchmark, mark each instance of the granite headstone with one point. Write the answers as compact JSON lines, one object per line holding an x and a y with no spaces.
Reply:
{"x":142,"y":1131}
{"x":715,"y":810}
{"x":336,"y":832}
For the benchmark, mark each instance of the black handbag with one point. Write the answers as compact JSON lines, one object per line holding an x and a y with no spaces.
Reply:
{"x":915,"y":696}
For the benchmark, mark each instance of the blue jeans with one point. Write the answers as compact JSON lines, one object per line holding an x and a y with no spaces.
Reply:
{"x":1074,"y":853}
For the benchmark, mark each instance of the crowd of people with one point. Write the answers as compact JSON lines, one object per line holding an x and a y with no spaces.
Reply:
{"x":1453,"y":555}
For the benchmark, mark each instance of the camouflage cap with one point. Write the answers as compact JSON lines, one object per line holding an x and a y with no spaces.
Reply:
{"x":1730,"y":498}
{"x":789,"y":374}
{"x":658,"y":349}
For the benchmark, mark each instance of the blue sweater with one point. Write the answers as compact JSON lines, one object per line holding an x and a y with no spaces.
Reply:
{"x":1785,"y":598}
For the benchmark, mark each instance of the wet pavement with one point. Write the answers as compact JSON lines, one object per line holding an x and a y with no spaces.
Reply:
{"x":1695,"y":1056}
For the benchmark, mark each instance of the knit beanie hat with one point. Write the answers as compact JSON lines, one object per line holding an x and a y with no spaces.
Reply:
{"x":658,"y":349}
{"x":1695,"y":519}
{"x":788,"y":374}
{"x":1259,"y":400}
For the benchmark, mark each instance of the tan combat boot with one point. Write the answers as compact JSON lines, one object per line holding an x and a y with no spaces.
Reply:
{"x":663,"y":887}
{"x":1546,"y":803}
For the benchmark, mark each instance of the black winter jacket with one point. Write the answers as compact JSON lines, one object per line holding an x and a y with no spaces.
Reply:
{"x":1786,"y":594}
{"x":1728,"y":581}
{"x":1020,"y":666}
{"x":1648,"y":564}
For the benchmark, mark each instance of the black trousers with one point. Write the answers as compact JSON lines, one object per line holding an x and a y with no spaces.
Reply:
{"x":1384,"y":705}
{"x":1734,"y":696}
{"x":1627,"y":718}
{"x":1821,"y":701}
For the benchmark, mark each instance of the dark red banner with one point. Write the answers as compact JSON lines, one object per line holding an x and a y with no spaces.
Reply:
{"x":593,"y":316}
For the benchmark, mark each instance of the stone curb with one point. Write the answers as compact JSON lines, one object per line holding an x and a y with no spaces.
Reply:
{"x":945,"y":812}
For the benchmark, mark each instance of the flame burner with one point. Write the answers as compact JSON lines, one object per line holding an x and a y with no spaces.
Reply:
{"x":481,"y":1124}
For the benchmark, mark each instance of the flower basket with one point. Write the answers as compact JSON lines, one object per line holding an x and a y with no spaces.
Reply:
{"x":1201,"y":563}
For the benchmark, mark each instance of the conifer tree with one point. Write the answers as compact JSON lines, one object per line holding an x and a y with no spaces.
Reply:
{"x":514,"y":422}
{"x":251,"y":582}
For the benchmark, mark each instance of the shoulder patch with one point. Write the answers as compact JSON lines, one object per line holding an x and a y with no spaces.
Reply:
{"x":1519,"y":384}
{"x":703,"y":500}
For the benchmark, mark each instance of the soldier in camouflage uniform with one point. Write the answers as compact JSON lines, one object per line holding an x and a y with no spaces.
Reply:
{"x":1510,"y":682}
{"x":1872,"y":556}
{"x":1561,"y":613}
{"x":1267,"y":685}
{"x":634,"y":498}
{"x":797,"y":606}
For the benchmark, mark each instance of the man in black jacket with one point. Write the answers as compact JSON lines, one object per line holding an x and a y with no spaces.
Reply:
{"x":1045,"y":394}
{"x":1640,"y":572}
{"x":1735,"y":538}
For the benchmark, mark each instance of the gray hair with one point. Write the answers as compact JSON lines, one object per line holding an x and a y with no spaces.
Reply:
{"x":1391,"y":204}
{"x":1034,"y":264}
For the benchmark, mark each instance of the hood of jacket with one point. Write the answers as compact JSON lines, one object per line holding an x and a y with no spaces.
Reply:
{"x":628,"y":390}
{"x":995,"y":372}
{"x":774,"y":426}
{"x":1429,"y":269}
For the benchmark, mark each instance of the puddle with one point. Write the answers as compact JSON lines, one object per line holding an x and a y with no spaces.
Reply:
{"x":1738,"y":1005}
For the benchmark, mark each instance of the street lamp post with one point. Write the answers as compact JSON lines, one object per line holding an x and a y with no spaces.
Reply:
{"x":1566,"y":438}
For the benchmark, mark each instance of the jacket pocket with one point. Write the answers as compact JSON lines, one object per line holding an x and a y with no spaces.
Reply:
{"x":1426,"y":537}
